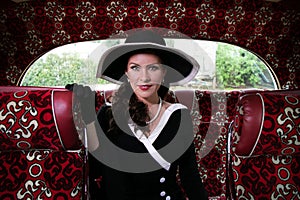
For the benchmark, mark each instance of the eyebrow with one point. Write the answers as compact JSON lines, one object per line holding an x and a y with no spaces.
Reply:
{"x":133,"y":63}
{"x":146,"y":65}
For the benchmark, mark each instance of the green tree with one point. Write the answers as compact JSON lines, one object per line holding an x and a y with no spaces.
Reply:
{"x":236,"y":67}
{"x":59,"y":70}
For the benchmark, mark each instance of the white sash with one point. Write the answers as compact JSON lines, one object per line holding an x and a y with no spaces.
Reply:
{"x":153,"y":152}
{"x":148,"y":143}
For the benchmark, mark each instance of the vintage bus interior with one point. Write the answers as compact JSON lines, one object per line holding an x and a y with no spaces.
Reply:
{"x":244,"y":101}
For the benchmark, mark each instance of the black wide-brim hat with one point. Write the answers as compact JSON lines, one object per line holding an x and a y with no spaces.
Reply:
{"x":181,"y":68}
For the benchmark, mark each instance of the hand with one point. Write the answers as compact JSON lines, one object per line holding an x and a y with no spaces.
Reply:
{"x":87,"y":101}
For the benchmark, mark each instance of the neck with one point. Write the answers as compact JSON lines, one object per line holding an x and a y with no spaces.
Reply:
{"x":151,"y":101}
{"x":153,"y":118}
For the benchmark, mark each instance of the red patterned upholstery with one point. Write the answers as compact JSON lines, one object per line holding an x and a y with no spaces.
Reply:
{"x":41,"y":154}
{"x":269,"y":29}
{"x":211,"y":114}
{"x":266,"y":146}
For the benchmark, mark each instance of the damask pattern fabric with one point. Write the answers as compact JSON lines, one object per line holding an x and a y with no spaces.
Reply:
{"x":44,"y":174}
{"x":272,"y":169}
{"x":31,"y":28}
{"x":267,"y":177}
{"x":212,"y":113}
{"x":281,"y":133}
{"x":27,"y":121}
{"x":34,"y":162}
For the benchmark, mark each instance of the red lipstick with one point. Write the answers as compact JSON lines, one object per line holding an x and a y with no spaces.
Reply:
{"x":144,"y":87}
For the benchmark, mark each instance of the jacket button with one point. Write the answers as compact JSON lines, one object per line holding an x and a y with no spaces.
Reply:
{"x":163,"y":193}
{"x":162,"y":179}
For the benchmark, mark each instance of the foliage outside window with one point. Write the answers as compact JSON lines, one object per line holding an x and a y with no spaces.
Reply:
{"x":238,"y":68}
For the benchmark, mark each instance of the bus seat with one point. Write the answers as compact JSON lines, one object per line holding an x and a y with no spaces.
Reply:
{"x":185,"y":97}
{"x":211,"y":114}
{"x":42,"y":151}
{"x":264,"y":146}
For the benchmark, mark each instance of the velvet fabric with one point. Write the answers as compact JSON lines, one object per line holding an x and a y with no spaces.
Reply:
{"x":39,"y":157}
{"x":31,"y":28}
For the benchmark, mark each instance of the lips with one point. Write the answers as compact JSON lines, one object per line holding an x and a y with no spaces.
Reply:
{"x":145,"y":87}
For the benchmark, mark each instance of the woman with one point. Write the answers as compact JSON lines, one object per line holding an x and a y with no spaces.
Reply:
{"x":150,"y":140}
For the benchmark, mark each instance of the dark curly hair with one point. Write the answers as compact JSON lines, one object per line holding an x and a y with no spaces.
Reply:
{"x":126,"y":106}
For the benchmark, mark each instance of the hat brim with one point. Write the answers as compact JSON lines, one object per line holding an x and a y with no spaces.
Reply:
{"x":182,"y":68}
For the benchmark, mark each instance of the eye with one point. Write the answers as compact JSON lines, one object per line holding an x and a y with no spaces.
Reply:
{"x":135,"y":67}
{"x":153,"y":67}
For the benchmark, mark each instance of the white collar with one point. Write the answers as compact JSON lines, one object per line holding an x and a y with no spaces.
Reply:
{"x":161,"y":124}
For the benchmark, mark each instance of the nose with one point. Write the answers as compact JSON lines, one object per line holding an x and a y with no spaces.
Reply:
{"x":145,"y":76}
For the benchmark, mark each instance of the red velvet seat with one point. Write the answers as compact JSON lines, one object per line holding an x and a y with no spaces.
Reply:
{"x":42,"y":155}
{"x":265,"y":146}
{"x":211,"y":113}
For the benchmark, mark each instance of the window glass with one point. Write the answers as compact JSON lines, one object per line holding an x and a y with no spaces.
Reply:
{"x":222,"y":66}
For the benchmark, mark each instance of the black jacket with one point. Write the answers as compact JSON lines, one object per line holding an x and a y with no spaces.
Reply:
{"x":156,"y":184}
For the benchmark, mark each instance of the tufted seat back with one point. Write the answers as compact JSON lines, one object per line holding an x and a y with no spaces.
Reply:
{"x":41,"y":152}
{"x":265,"y":146}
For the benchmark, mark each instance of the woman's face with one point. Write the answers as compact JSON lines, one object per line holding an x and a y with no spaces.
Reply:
{"x":145,"y":74}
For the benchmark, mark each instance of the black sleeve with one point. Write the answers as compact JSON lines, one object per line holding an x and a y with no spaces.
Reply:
{"x":103,"y":118}
{"x":95,"y":166}
{"x":188,"y":170}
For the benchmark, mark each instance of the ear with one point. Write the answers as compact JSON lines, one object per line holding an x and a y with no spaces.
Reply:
{"x":127,"y":77}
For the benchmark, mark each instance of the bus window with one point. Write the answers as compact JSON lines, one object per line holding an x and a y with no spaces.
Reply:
{"x":222,"y":66}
